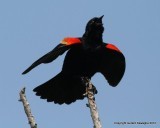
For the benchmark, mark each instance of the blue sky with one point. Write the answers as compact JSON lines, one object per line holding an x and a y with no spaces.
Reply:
{"x":29,"y":29}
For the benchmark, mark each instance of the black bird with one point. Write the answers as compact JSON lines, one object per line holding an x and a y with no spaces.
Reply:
{"x":86,"y":56}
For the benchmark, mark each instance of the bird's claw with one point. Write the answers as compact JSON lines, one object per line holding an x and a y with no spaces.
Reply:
{"x":87,"y":82}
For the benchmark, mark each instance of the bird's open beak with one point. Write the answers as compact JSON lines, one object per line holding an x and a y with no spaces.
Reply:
{"x":101,"y":17}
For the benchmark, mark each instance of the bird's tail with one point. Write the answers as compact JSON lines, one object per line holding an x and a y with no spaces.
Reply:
{"x":62,"y":89}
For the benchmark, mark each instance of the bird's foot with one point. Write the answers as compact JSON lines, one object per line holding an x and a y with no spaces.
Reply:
{"x":87,"y":82}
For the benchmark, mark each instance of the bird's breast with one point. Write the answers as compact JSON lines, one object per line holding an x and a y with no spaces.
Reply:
{"x":80,"y":61}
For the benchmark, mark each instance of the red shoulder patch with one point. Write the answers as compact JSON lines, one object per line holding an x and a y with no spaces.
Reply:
{"x":112,"y":47}
{"x":70,"y":41}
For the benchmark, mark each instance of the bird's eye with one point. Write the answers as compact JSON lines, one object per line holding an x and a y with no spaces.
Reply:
{"x":93,"y":21}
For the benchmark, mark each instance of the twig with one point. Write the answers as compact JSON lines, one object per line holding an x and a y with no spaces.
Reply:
{"x":27,"y":108}
{"x":90,"y":90}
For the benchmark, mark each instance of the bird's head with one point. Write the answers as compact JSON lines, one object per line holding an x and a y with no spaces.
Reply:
{"x":95,"y":25}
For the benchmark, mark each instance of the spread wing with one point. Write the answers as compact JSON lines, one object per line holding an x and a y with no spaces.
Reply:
{"x":113,"y":64}
{"x":65,"y":44}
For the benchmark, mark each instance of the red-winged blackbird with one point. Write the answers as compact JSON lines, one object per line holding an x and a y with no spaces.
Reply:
{"x":86,"y":56}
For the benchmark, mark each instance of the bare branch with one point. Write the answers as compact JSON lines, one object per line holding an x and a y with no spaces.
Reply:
{"x":90,"y":90}
{"x":27,"y":109}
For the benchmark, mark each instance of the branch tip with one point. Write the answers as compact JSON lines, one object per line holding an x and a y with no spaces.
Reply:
{"x":27,"y":109}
